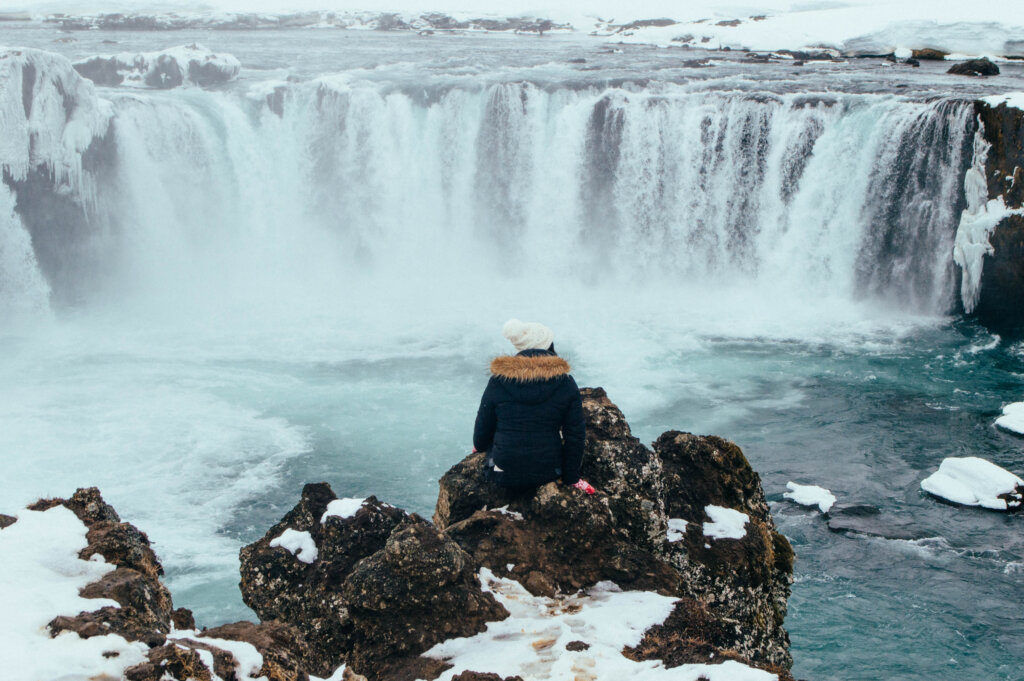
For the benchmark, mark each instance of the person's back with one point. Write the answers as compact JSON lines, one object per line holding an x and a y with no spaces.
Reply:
{"x":530,"y":420}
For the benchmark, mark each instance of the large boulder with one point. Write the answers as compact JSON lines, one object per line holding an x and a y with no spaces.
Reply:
{"x":651,"y":525}
{"x":375,"y":587}
{"x":745,"y":578}
{"x":975,"y":67}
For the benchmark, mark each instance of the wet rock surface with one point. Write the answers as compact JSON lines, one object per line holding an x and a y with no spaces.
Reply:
{"x":1002,"y":277}
{"x":975,"y":67}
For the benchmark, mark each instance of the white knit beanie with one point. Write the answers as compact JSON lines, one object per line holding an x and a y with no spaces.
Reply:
{"x":528,"y":335}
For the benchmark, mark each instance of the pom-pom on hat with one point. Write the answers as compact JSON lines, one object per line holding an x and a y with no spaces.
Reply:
{"x":528,"y":335}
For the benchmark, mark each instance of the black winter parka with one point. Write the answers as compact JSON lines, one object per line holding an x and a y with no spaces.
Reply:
{"x":530,"y":421}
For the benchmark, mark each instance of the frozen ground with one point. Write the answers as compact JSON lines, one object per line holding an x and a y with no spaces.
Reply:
{"x":854,"y":26}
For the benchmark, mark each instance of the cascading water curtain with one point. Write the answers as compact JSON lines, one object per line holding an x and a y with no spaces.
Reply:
{"x":850,"y":196}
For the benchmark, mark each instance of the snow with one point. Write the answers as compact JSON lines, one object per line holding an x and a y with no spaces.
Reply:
{"x":676,"y":529}
{"x":531,"y":642}
{"x":972,"y":481}
{"x":1014,"y":100}
{"x":249,"y":659}
{"x":810,"y":495}
{"x":1012,"y":418}
{"x":515,"y":515}
{"x":978,"y":220}
{"x":853,"y":26}
{"x":40,"y":577}
{"x":726,"y":523}
{"x":300,"y":544}
{"x":342,"y":508}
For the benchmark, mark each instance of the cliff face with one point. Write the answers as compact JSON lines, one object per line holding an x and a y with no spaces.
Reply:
{"x":1002,"y":281}
{"x":683,"y":526}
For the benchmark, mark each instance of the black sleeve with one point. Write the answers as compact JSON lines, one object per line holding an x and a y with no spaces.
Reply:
{"x":486,"y":419}
{"x":574,"y":433}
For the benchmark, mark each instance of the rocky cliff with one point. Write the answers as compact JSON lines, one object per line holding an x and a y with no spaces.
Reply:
{"x":1002,"y":280}
{"x":680,"y":529}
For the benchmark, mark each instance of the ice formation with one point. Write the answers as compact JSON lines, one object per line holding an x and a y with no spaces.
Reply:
{"x":193,"y":64}
{"x":978,"y":220}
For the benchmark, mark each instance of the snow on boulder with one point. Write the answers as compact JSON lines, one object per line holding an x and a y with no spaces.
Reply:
{"x":162,"y":70}
{"x":342,"y":508}
{"x":300,"y":544}
{"x":810,"y":495}
{"x":1012,"y":418}
{"x":971,"y":481}
{"x":726,"y":523}
{"x":676,"y":529}
{"x":41,"y":577}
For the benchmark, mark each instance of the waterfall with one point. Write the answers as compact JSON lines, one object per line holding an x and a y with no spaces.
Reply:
{"x":200,"y":192}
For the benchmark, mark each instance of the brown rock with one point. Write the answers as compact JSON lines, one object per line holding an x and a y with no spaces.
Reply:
{"x":419,"y":590}
{"x":171,"y":661}
{"x":929,"y":54}
{"x":7,"y":520}
{"x":282,"y":646}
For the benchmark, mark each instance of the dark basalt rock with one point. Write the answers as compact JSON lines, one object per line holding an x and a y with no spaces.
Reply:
{"x":386,"y":586}
{"x":1002,"y":277}
{"x":7,"y":520}
{"x":419,"y":590}
{"x":975,"y":67}
{"x":744,"y":580}
{"x":101,"y":70}
{"x":869,"y":520}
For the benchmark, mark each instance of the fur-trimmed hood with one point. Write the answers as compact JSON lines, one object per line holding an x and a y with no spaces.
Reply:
{"x":529,"y":368}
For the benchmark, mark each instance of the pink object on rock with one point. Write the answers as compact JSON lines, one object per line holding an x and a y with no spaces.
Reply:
{"x":584,"y":486}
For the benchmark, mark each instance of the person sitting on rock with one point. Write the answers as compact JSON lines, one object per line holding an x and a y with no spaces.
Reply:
{"x":530,"y":420}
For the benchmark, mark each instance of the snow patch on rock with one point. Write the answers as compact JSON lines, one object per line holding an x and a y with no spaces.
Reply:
{"x":676,"y":529}
{"x":726,"y":523}
{"x":299,"y":544}
{"x":972,"y":481}
{"x":40,"y":577}
{"x":531,"y":643}
{"x":342,"y":508}
{"x":1014,"y":100}
{"x":810,"y":495}
{"x":187,"y":64}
